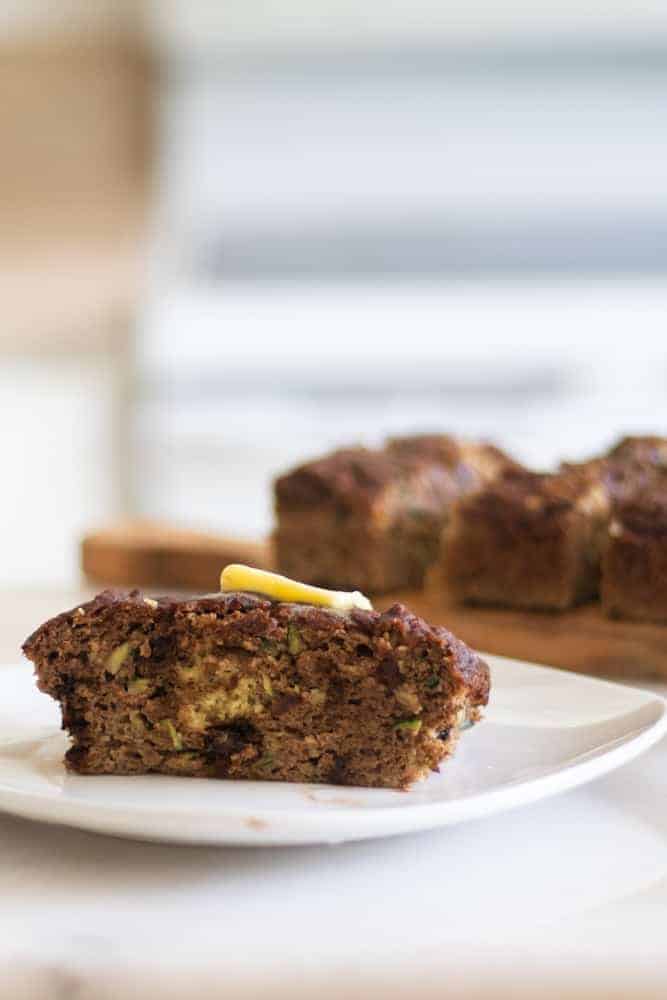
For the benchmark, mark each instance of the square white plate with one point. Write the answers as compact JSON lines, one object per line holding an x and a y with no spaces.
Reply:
{"x":545,"y":731}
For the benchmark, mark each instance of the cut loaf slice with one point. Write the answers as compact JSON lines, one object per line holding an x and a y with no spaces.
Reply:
{"x":235,"y":685}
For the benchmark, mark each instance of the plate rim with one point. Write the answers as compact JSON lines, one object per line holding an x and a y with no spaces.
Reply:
{"x":301,"y":825}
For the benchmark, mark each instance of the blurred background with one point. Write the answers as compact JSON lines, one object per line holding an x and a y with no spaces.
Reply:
{"x":235,"y":235}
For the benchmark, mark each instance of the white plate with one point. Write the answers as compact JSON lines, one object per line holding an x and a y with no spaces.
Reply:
{"x":545,"y":731}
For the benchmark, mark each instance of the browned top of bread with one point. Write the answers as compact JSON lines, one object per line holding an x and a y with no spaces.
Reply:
{"x":539,"y":490}
{"x":355,"y":477}
{"x":531,"y":502}
{"x":446,"y":449}
{"x":251,"y":615}
{"x":649,"y":448}
{"x":346,"y":476}
{"x":635,"y":466}
{"x":643,"y":512}
{"x":436,"y":447}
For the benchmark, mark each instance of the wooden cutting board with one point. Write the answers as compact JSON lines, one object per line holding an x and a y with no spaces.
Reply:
{"x":154,"y":555}
{"x":146,"y":553}
{"x":582,"y":639}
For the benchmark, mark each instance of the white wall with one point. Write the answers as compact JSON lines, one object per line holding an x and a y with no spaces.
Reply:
{"x":56,"y":444}
{"x":286,"y":23}
{"x":247,"y":380}
{"x":263,"y":151}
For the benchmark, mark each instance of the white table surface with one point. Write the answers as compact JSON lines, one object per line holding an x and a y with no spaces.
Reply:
{"x":562,"y":898}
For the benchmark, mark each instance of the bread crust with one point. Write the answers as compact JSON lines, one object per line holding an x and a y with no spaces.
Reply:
{"x":373,"y":519}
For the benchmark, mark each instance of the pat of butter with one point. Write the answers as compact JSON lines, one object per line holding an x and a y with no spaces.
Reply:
{"x":280,"y":588}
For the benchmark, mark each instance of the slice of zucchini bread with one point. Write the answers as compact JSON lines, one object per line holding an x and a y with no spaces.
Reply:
{"x":634,"y":563}
{"x":633,"y":474}
{"x":374,"y":518}
{"x":235,"y":685}
{"x":528,"y":540}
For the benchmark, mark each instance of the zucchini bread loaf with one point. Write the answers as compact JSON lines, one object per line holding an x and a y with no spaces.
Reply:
{"x":235,"y":685}
{"x":634,"y":561}
{"x":374,"y":518}
{"x":550,"y":541}
{"x":528,"y":540}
